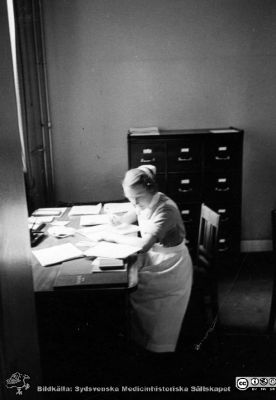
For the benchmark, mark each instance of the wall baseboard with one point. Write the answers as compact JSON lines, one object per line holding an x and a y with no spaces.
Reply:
{"x":248,"y":246}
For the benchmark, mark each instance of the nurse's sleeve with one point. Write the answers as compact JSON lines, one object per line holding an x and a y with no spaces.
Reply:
{"x":163,"y":221}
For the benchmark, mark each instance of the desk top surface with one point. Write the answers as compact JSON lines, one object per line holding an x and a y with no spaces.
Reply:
{"x":44,"y":277}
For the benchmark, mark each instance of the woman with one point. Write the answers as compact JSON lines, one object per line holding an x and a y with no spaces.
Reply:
{"x":165,"y":267}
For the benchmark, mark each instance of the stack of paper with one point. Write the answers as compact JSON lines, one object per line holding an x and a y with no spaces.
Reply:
{"x":227,"y":130}
{"x":149,"y":130}
{"x":57,"y":254}
{"x":85,"y":210}
{"x":111,"y":250}
{"x":54,"y":211}
{"x":114,"y":208}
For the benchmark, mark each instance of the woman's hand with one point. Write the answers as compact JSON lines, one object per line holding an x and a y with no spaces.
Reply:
{"x":114,"y":219}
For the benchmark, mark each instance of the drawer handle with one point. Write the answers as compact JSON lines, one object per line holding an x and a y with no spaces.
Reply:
{"x":187,"y":221}
{"x":184,"y":190}
{"x":222,"y":189}
{"x":222,"y":158}
{"x":184,"y":159}
{"x":224,"y":219}
{"x":147,"y":161}
{"x":222,"y":249}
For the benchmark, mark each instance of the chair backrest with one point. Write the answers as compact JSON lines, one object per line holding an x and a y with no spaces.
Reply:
{"x":207,"y":237}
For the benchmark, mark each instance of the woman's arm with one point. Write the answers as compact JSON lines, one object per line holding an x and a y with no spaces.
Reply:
{"x":145,"y":243}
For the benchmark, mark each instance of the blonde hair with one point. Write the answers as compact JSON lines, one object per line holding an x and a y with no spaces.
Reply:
{"x":143,"y":175}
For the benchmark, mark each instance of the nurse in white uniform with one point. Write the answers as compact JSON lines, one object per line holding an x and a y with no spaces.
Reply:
{"x":164,"y":264}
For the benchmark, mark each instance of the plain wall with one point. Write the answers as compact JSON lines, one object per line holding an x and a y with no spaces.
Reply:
{"x":115,"y":64}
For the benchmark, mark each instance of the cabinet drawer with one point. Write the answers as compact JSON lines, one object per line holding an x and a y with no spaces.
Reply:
{"x":229,"y":215}
{"x":223,"y":152}
{"x":227,"y":244}
{"x":184,"y":187}
{"x":148,"y":153}
{"x":189,"y":213}
{"x":191,"y":243}
{"x":161,"y":182}
{"x":184,"y":155}
{"x":222,"y":186}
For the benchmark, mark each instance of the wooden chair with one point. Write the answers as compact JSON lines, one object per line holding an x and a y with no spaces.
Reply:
{"x":272,"y":315}
{"x":205,"y":271}
{"x":201,"y":316}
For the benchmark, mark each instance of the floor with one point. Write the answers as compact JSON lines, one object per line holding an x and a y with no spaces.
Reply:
{"x":78,"y":353}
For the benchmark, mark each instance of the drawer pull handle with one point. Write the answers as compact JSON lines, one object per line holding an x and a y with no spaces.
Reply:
{"x":184,"y":190}
{"x":222,"y":158}
{"x":222,"y":189}
{"x":224,"y":219}
{"x":187,"y":221}
{"x":147,"y":161}
{"x":184,"y":159}
{"x":222,"y":249}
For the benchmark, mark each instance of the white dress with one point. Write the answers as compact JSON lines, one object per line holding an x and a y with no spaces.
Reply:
{"x":164,"y":278}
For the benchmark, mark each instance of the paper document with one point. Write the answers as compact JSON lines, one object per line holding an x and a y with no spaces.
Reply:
{"x":85,"y":210}
{"x":111,"y":250}
{"x":93,"y":232}
{"x":60,"y":223}
{"x":124,"y":229}
{"x":61,"y":231}
{"x":230,"y":130}
{"x":149,"y":130}
{"x":54,"y":211}
{"x":57,"y":254}
{"x":114,"y":208}
{"x":40,"y":220}
{"x":94,"y":219}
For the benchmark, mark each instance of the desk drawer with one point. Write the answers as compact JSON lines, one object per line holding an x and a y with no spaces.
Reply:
{"x":184,"y":155}
{"x":222,"y":187}
{"x":148,"y":153}
{"x":184,"y":187}
{"x":223,"y":151}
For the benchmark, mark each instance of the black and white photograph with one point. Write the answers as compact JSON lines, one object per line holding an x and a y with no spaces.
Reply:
{"x":137,"y":199}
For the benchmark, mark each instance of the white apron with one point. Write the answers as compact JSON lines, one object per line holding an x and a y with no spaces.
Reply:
{"x":162,"y":296}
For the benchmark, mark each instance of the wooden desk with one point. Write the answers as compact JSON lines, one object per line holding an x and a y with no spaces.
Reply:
{"x":44,"y":277}
{"x":94,"y":321}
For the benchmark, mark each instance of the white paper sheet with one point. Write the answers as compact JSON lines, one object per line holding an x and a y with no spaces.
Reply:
{"x":99,"y":219}
{"x":223,"y":130}
{"x":85,"y":210}
{"x":112,"y":250}
{"x":93,"y":232}
{"x":54,"y":211}
{"x":114,"y":208}
{"x":40,"y":220}
{"x":57,"y":254}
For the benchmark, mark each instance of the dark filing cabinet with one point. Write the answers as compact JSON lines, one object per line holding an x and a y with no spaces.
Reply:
{"x":194,"y":167}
